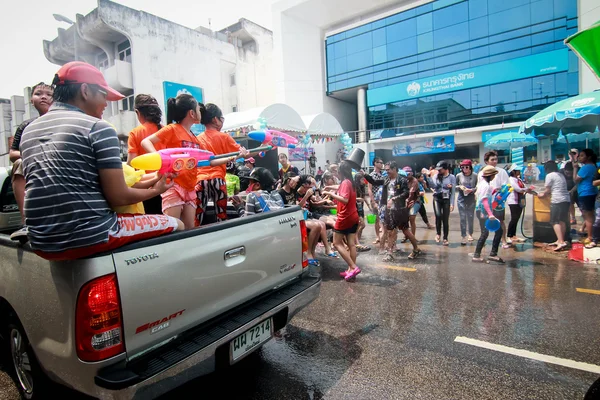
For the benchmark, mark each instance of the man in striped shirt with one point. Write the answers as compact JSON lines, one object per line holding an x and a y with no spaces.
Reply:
{"x":74,"y":175}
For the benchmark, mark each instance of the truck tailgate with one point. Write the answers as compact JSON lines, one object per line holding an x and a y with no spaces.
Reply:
{"x":169,"y":287}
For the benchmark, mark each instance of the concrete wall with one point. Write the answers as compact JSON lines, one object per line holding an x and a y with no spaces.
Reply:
{"x":300,"y":70}
{"x":164,"y":51}
{"x":589,"y":13}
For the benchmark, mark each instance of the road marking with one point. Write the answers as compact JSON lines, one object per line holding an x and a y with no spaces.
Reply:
{"x":590,"y":291}
{"x":400,"y":268}
{"x":531,"y":355}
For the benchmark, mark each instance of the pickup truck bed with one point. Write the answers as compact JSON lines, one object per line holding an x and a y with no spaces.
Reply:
{"x":152,"y":315}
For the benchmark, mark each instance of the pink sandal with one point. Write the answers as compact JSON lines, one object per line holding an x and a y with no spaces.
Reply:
{"x":352,"y":274}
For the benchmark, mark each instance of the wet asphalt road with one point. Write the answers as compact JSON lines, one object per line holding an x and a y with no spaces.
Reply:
{"x":391,"y":334}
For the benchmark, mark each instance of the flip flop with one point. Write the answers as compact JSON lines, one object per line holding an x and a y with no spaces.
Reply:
{"x":560,"y":247}
{"x":333,"y":254}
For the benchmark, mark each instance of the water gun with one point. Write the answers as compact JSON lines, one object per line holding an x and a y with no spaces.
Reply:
{"x":173,"y":160}
{"x":500,"y":197}
{"x":274,"y":138}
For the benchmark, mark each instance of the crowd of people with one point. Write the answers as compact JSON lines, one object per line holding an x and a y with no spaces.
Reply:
{"x":70,"y":155}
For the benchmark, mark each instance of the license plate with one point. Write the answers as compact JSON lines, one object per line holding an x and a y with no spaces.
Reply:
{"x":250,"y":339}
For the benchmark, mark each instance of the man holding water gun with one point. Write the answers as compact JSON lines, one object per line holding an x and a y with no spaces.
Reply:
{"x":491,"y":159}
{"x":484,"y":212}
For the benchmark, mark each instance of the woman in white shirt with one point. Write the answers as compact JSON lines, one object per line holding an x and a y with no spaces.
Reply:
{"x":556,"y":187}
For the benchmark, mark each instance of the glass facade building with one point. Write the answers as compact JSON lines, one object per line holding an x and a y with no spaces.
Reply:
{"x":453,"y":64}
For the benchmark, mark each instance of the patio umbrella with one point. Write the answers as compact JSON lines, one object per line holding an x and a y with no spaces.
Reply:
{"x":510,"y":140}
{"x":577,"y":114}
{"x":574,"y":137}
{"x":586,"y":44}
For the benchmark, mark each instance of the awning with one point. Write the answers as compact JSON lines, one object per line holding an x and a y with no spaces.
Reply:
{"x":323,"y":124}
{"x":278,"y":116}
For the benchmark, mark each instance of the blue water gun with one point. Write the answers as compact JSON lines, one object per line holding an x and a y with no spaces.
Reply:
{"x":500,"y":197}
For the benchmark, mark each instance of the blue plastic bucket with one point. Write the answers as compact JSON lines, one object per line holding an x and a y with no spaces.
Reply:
{"x":492,"y":225}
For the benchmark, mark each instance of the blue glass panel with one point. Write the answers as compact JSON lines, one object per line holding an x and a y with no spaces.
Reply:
{"x":402,"y":48}
{"x":450,"y":15}
{"x":378,"y":24}
{"x":360,"y":72}
{"x":402,"y":79}
{"x":495,"y":6}
{"x":403,"y":61}
{"x":479,"y":42}
{"x":424,"y":23}
{"x":451,"y":35}
{"x":480,"y":61}
{"x":378,"y":84}
{"x":341,"y":65}
{"x":565,"y":8}
{"x":542,"y":38}
{"x":560,"y":33}
{"x":400,"y":17}
{"x":508,"y":56}
{"x":477,"y":8}
{"x":401,"y":30}
{"x":542,"y":48}
{"x":542,"y":27}
{"x":573,"y":62}
{"x":510,"y":45}
{"x":378,"y":76}
{"x":358,"y":30}
{"x":425,"y":42}
{"x":451,"y":49}
{"x":359,"y":43}
{"x":425,"y":56}
{"x":360,"y":60}
{"x":561,"y":84}
{"x":559,"y":22}
{"x":510,"y":19}
{"x":479,"y":52}
{"x":452,"y":68}
{"x":329,"y":40}
{"x":425,"y":8}
{"x":380,"y":67}
{"x":443,"y":3}
{"x":404,"y":70}
{"x":542,"y":10}
{"x":572,"y":23}
{"x":380,"y":54}
{"x":426,"y":65}
{"x":330,"y":52}
{"x":330,"y":68}
{"x":511,"y":34}
{"x":480,"y":100}
{"x":341,"y":85}
{"x":450,"y":59}
{"x":478,"y":28}
{"x":340,"y":49}
{"x":426,"y":74}
{"x":379,"y":37}
{"x":573,"y":83}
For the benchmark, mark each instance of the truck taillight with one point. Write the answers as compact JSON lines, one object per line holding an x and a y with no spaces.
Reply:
{"x":98,"y":325}
{"x":304,"y":233}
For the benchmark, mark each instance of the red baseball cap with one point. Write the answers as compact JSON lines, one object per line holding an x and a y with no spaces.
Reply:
{"x":81,"y":72}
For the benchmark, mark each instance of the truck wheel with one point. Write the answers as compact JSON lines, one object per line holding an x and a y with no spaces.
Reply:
{"x":27,"y":374}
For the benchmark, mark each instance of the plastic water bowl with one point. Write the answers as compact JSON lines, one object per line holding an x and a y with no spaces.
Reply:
{"x":492,"y":225}
{"x":371,"y":218}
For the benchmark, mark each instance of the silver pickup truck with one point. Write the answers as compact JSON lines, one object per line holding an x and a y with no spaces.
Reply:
{"x":139,"y":321}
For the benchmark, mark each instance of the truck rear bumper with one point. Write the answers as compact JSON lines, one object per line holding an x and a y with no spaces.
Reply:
{"x":201,"y":351}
